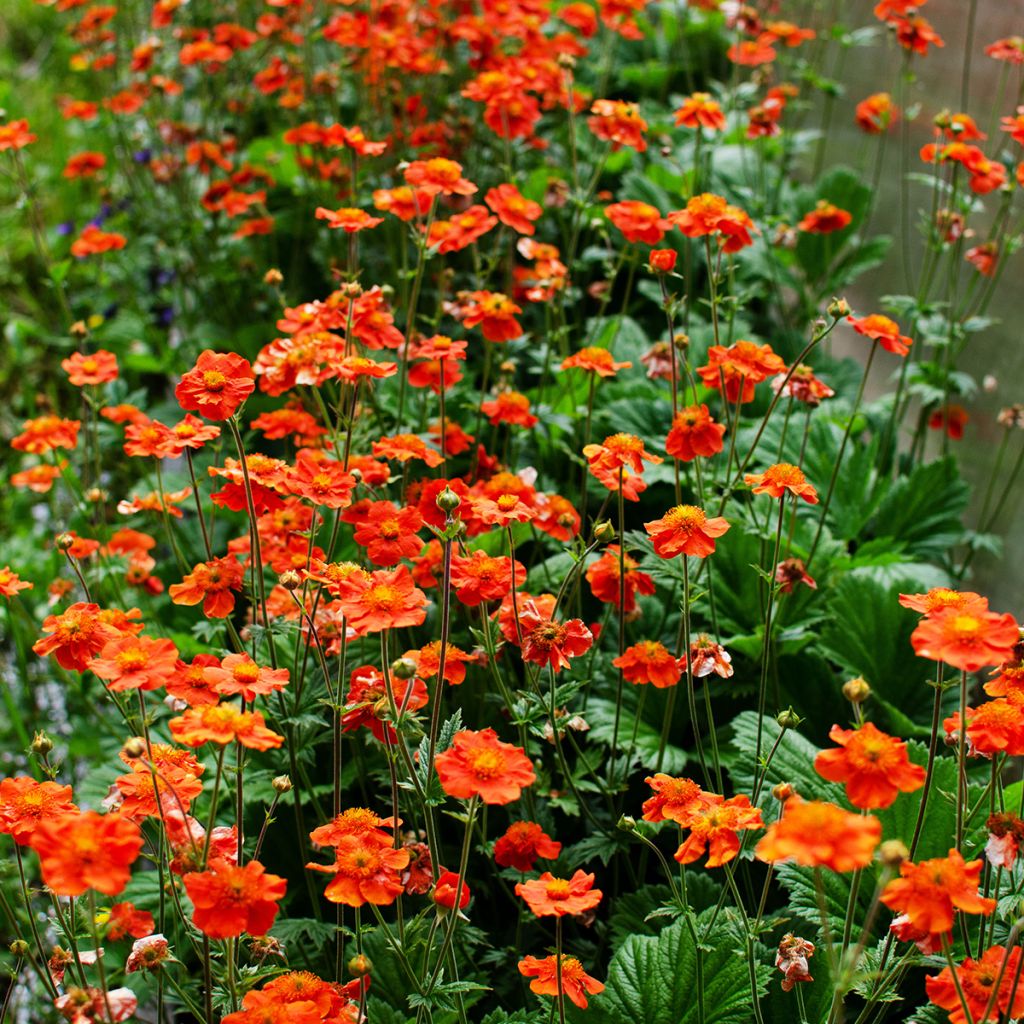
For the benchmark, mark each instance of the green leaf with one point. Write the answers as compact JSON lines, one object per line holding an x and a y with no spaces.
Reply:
{"x":601,"y":716}
{"x":654,"y":979}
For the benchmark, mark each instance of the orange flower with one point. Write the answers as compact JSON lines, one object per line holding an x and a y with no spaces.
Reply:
{"x":84,"y":165}
{"x":685,"y":530}
{"x":950,"y":418}
{"x":522,"y":843}
{"x":222,"y":724}
{"x":239,"y":674}
{"x":701,"y":111}
{"x":126,"y":919}
{"x":929,"y":892}
{"x":367,"y":703}
{"x":25,"y":803}
{"x":428,"y":662}
{"x":639,"y":222}
{"x":968,"y":638}
{"x":15,"y":135}
{"x":359,"y":822}
{"x":883,"y":330}
{"x":603,"y":577}
{"x":825,"y":218}
{"x":45,"y":433}
{"x":217,"y":385}
{"x":619,"y":123}
{"x":438,"y":176}
{"x":649,"y":662}
{"x":388,"y":600}
{"x":92,"y":241}
{"x":694,"y":433}
{"x":481,"y":577}
{"x":495,"y":314}
{"x":403,"y":447}
{"x":817,"y":834}
{"x":977,"y":981}
{"x":211,"y":583}
{"x":875,"y":114}
{"x":742,"y":366}
{"x":136,"y":663}
{"x":548,"y":896}
{"x":509,"y":407}
{"x":993,"y":727}
{"x":715,"y":827}
{"x":547,"y":642}
{"x":389,"y":533}
{"x":709,"y":214}
{"x":348,"y":219}
{"x":479,"y":764}
{"x":776,"y":480}
{"x":513,"y":208}
{"x":576,"y":983}
{"x":11,"y":583}
{"x":874,"y":766}
{"x":675,"y":799}
{"x":616,"y":451}
{"x":938,"y":599}
{"x":98,"y":368}
{"x":320,"y":480}
{"x":405,"y":203}
{"x":87,"y":850}
{"x":364,"y":872}
{"x":229,"y":900}
{"x":76,"y":635}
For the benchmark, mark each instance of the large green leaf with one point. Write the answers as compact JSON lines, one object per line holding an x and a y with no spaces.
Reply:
{"x":653,"y":979}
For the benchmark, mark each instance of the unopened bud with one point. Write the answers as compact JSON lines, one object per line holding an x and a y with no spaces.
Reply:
{"x":356,"y":474}
{"x":857,"y":690}
{"x":448,"y":501}
{"x":566,"y":61}
{"x":604,"y":531}
{"x":892,"y":853}
{"x":626,"y":823}
{"x":788,"y":719}
{"x":360,"y":965}
{"x":403,"y":668}
{"x":273,"y":276}
{"x":681,"y":342}
{"x":19,"y":948}
{"x":64,"y":542}
{"x":351,"y":289}
{"x":78,"y":329}
{"x":96,"y":495}
{"x":783,"y":791}
{"x":41,"y":744}
{"x":134,"y":747}
{"x":838,"y":308}
{"x":290,"y":580}
{"x":282,"y":784}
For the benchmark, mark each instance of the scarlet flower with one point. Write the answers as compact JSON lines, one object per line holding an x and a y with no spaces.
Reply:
{"x":15,"y":135}
{"x":482,"y":577}
{"x":824,"y":219}
{"x":92,"y":241}
{"x":802,"y":384}
{"x":364,"y":872}
{"x":513,"y":208}
{"x":438,"y":176}
{"x":685,"y":530}
{"x":389,"y":533}
{"x":790,"y":572}
{"x":137,"y":796}
{"x":977,"y":981}
{"x":875,"y":114}
{"x":85,"y":850}
{"x":603,"y":577}
{"x":950,"y":418}
{"x":229,"y":899}
{"x":445,"y":889}
{"x":367,"y":702}
{"x":461,"y":231}
{"x":968,"y":637}
{"x":675,"y":799}
{"x":751,"y":53}
{"x":993,"y":727}
{"x":699,"y":110}
{"x":404,"y":202}
{"x":76,"y":636}
{"x":239,"y":674}
{"x":11,"y":583}
{"x":781,"y":478}
{"x":547,"y":642}
{"x":873,"y":765}
{"x":403,"y":447}
{"x":193,"y":433}
{"x":663,"y":260}
{"x":388,"y":600}
{"x":1010,"y":49}
{"x":210,"y":583}
{"x":495,"y":314}
{"x":502,"y":510}
{"x":45,"y":433}
{"x":694,"y":433}
{"x":150,"y":439}
{"x":217,"y":385}
{"x":136,"y":663}
{"x":98,"y":368}
{"x":817,"y":834}
{"x":354,"y":821}
{"x":25,"y":803}
{"x":714,"y":828}
{"x":883,"y":330}
{"x":522,"y":843}
{"x":348,"y":219}
{"x":649,"y":662}
{"x":479,"y":764}
{"x":576,"y":983}
{"x":548,"y":896}
{"x":929,"y":892}
{"x":639,"y":222}
{"x":710,"y":214}
{"x":223,"y":724}
{"x":126,"y":919}
{"x":916,"y":34}
{"x":939,"y":599}
{"x":619,"y":123}
{"x":428,"y":662}
{"x":616,"y":451}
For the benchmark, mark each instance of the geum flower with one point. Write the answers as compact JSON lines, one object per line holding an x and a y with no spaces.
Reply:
{"x":549,"y":896}
{"x":223,"y":724}
{"x":694,"y":433}
{"x":25,"y":804}
{"x":650,"y":662}
{"x":229,"y":900}
{"x":715,"y":828}
{"x":990,"y":987}
{"x":873,"y":765}
{"x":548,"y":642}
{"x":387,"y":600}
{"x":685,"y":530}
{"x":522,"y":844}
{"x":76,"y":636}
{"x":85,"y":850}
{"x":675,"y":799}
{"x":576,"y":983}
{"x":211,"y":584}
{"x":817,"y":834}
{"x":478,"y":764}
{"x":364,"y":872}
{"x":781,"y":478}
{"x":217,"y":385}
{"x":968,"y":638}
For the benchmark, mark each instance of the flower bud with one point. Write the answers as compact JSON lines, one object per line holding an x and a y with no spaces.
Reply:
{"x":838,"y":308}
{"x":403,"y":668}
{"x":663,"y":260}
{"x":448,"y":501}
{"x":282,"y":784}
{"x":681,"y":341}
{"x":78,"y":329}
{"x":788,"y":719}
{"x":604,"y":532}
{"x":64,"y":542}
{"x":857,"y":690}
{"x":892,"y":853}
{"x":19,"y":948}
{"x":290,"y":580}
{"x":626,"y":823}
{"x":566,"y":61}
{"x":134,"y":748}
{"x":273,"y":276}
{"x":95,"y":495}
{"x":351,"y":289}
{"x":356,"y":474}
{"x":783,"y":791}
{"x":41,"y":744}
{"x":360,"y":965}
